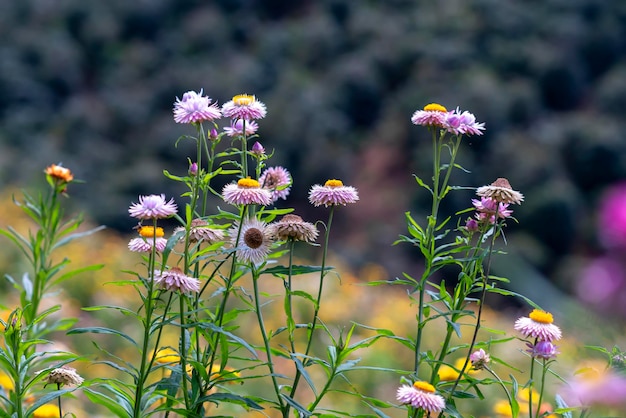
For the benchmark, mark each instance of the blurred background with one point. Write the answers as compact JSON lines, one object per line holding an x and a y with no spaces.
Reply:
{"x":92,"y":84}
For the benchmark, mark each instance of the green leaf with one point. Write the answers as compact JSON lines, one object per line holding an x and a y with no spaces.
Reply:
{"x":48,"y":397}
{"x":102,"y":330}
{"x":230,"y":398}
{"x":302,"y":411}
{"x":109,"y":403}
{"x":72,"y":237}
{"x":295,"y":270}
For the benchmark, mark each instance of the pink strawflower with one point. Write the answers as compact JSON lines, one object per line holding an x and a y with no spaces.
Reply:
{"x":463,"y":123}
{"x":152,"y":207}
{"x":602,"y":283}
{"x":421,"y":395}
{"x":174,"y":280}
{"x":244,"y":106}
{"x":433,"y":114}
{"x":277,"y":180}
{"x":236,"y":127}
{"x":194,"y":107}
{"x":143,"y":245}
{"x":486,"y":208}
{"x":479,"y":359}
{"x":254,"y":243}
{"x":594,"y":386}
{"x":257,"y":149}
{"x":612,"y":217}
{"x":543,"y":349}
{"x":246,"y":192}
{"x":538,"y":325}
{"x":332,"y":193}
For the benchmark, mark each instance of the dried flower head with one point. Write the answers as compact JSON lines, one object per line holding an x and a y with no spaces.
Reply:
{"x":293,"y":227}
{"x":277,"y":180}
{"x":501,"y":191}
{"x":433,"y":114}
{"x":64,"y":376}
{"x":421,"y":395}
{"x":332,"y":193}
{"x":463,"y":123}
{"x":152,"y":207}
{"x":244,"y":106}
{"x":246,"y":192}
{"x":253,"y":242}
{"x":194,"y":107}
{"x":201,"y":231}
{"x":59,"y":173}
{"x":538,"y":325}
{"x":174,"y":280}
{"x":237,"y":125}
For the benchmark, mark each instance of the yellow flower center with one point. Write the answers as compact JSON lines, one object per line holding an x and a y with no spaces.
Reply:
{"x":248,"y":183}
{"x":333,"y":183}
{"x":541,"y":316}
{"x":148,"y":231}
{"x":243,"y":99}
{"x":435,"y":107}
{"x":423,"y":386}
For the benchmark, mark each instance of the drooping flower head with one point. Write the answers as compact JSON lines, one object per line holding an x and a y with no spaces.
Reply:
{"x":486,"y":209}
{"x":236,"y":127}
{"x":332,"y":193}
{"x":277,"y":180}
{"x":152,"y":207}
{"x":479,"y":359}
{"x":64,"y":376}
{"x":59,"y":173}
{"x":201,"y":231}
{"x":433,"y":114}
{"x":421,"y":395}
{"x":174,"y":280}
{"x":194,"y":107}
{"x":244,"y":106}
{"x":538,"y":325}
{"x":149,"y":237}
{"x":246,"y":192}
{"x":463,"y":123}
{"x":293,"y":227}
{"x":501,"y":191}
{"x":543,"y":349}
{"x":252,"y":243}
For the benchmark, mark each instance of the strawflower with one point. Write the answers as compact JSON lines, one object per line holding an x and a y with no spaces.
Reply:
{"x":236,"y":127}
{"x":201,"y":231}
{"x":501,"y":191}
{"x":246,"y":192}
{"x":257,"y":149}
{"x":332,"y":193}
{"x":152,"y":207}
{"x":421,"y":395}
{"x":174,"y":280}
{"x":149,"y":238}
{"x":194,"y":107}
{"x":479,"y":359}
{"x":486,"y":209}
{"x":277,"y":180}
{"x":244,"y":106}
{"x":59,"y":173}
{"x":538,"y":325}
{"x":433,"y":115}
{"x":543,"y":349}
{"x":254,"y":241}
{"x":462,"y":123}
{"x":64,"y":376}
{"x":595,"y":386}
{"x":293,"y":227}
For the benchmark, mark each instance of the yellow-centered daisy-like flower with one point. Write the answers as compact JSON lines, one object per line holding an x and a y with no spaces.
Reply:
{"x":538,"y":325}
{"x":60,"y":173}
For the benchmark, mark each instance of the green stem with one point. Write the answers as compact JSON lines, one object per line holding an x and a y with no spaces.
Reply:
{"x":530,"y":386}
{"x":543,"y":382}
{"x":266,"y":343}
{"x":59,"y":400}
{"x":183,"y":350}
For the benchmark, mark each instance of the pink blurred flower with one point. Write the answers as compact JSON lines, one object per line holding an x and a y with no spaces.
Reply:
{"x":236,"y":127}
{"x":175,"y":280}
{"x":433,"y":114}
{"x":152,"y":207}
{"x":421,"y":395}
{"x":277,"y":180}
{"x":332,"y":193}
{"x":612,"y":217}
{"x":194,"y":107}
{"x":602,"y":283}
{"x":244,"y":106}
{"x":593,"y":386}
{"x":463,"y":123}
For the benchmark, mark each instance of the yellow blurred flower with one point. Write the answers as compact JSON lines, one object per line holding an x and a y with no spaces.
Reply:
{"x":167,"y":356}
{"x":6,"y":382}
{"x":47,"y":411}
{"x":447,"y":373}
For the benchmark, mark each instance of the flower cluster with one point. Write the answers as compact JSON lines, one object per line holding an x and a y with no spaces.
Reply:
{"x":455,"y":121}
{"x":539,"y":325}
